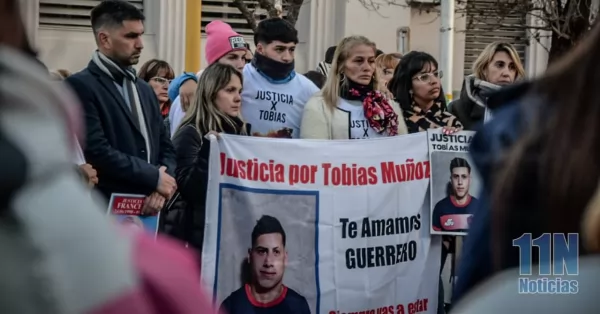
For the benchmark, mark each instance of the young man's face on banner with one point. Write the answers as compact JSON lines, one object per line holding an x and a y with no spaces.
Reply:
{"x":267,"y":259}
{"x":461,"y":179}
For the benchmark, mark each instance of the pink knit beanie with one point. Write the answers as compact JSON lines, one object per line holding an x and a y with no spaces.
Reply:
{"x":220,"y":40}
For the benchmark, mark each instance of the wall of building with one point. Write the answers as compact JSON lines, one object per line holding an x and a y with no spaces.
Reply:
{"x":380,"y":26}
{"x":425,"y":36}
{"x":351,"y":18}
{"x":71,"y":49}
{"x":321,"y":24}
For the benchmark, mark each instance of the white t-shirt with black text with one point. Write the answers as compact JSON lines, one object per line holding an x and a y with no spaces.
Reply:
{"x":274,"y":110}
{"x":359,"y":127}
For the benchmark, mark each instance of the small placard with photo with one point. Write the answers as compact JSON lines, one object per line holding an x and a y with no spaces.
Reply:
{"x":127,"y":209}
{"x":455,"y":183}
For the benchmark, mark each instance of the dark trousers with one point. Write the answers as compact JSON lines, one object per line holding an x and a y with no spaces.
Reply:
{"x":441,"y":304}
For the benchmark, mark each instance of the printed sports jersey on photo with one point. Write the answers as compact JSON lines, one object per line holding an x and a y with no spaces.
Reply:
{"x":359,"y":127}
{"x":448,"y":215}
{"x":241,"y":301}
{"x":274,"y":110}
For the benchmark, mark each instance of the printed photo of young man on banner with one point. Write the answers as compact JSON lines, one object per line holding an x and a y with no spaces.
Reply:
{"x":127,"y":210}
{"x":280,"y":252}
{"x":455,"y":183}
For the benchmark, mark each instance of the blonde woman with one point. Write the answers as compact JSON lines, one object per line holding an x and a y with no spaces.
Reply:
{"x":215,"y":109}
{"x":498,"y":65}
{"x":350,"y":106}
{"x":385,"y":65}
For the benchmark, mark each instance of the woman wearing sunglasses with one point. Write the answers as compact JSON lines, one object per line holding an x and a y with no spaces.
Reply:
{"x":158,"y":74}
{"x":416,"y":86}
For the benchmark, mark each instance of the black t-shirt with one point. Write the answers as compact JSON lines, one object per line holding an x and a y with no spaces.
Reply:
{"x":241,"y":301}
{"x":447,"y":207}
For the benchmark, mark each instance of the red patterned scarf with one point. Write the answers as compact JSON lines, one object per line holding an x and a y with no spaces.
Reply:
{"x":378,"y":111}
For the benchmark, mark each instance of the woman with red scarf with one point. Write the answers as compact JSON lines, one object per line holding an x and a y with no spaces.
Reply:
{"x":350,"y":106}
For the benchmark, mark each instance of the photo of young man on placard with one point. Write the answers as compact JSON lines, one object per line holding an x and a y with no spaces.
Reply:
{"x":266,"y":293}
{"x":453,"y":213}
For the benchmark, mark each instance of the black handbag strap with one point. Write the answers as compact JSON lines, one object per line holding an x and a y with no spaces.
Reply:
{"x":170,"y":202}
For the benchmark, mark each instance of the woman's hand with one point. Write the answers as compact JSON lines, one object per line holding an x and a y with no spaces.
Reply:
{"x":186,"y":93}
{"x":207,"y":136}
{"x":447,"y":130}
{"x":90,"y":173}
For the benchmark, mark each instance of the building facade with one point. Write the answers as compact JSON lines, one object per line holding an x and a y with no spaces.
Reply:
{"x":60,"y":30}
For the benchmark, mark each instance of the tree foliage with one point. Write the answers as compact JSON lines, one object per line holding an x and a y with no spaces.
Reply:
{"x":255,"y":11}
{"x":564,"y":21}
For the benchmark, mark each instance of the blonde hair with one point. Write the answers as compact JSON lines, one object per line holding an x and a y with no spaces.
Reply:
{"x":385,"y":61}
{"x":60,"y":74}
{"x":487,"y":55}
{"x":331,"y":90}
{"x":203,"y":111}
{"x":388,"y":60}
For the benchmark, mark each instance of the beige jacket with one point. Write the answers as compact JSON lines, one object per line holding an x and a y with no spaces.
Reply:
{"x":319,"y":122}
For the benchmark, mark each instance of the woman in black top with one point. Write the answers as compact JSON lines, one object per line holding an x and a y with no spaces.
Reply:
{"x":417,"y":87}
{"x":215,"y":110}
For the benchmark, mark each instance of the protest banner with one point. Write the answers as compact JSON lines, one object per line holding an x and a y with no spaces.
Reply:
{"x":454,"y":181}
{"x":127,"y":211}
{"x":355,"y":216}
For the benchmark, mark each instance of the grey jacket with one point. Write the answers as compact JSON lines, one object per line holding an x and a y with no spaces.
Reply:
{"x":470,"y":108}
{"x":500,"y":295}
{"x":60,"y":254}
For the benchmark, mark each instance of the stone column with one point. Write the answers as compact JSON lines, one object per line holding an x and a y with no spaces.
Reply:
{"x":326,"y":27}
{"x":30,"y":12}
{"x":536,"y":53}
{"x":171,"y":33}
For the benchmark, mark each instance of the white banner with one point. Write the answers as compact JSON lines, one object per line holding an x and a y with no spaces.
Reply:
{"x":355,"y":215}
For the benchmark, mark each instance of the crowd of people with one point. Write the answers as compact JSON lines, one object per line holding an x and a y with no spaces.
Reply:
{"x":145,"y":132}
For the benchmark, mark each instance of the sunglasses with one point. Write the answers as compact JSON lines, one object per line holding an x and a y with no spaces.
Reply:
{"x":161,"y":80}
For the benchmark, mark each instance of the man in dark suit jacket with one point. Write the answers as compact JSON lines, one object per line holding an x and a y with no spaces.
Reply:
{"x":126,"y":140}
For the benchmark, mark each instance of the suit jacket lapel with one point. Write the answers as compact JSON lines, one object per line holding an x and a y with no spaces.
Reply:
{"x":109,"y":85}
{"x":145,"y":110}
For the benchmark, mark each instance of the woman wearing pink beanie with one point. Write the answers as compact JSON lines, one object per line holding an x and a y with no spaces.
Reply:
{"x":222,"y":40}
{"x":223,"y":45}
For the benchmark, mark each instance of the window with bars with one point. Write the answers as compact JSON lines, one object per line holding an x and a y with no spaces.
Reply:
{"x":71,"y":13}
{"x":226,"y":11}
{"x":485,"y":26}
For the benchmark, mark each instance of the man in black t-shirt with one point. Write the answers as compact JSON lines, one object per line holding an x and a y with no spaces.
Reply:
{"x":453,"y":213}
{"x":266,"y":293}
